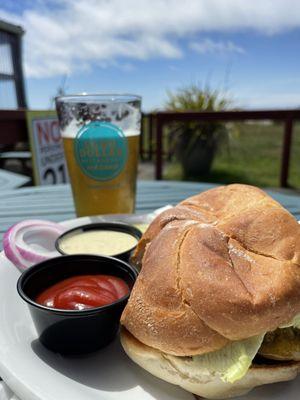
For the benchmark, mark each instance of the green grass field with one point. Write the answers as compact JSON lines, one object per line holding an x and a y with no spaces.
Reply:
{"x":253,"y":156}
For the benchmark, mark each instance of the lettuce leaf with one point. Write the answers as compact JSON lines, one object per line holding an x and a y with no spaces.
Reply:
{"x":233,"y":361}
{"x":295,"y":323}
{"x":230,"y":363}
{"x":142,"y":227}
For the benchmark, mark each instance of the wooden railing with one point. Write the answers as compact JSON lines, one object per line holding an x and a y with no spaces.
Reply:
{"x":288,"y":117}
{"x":13,"y":129}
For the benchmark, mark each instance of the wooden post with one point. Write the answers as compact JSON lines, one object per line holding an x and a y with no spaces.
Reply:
{"x":142,"y":137}
{"x":150,"y":137}
{"x":286,"y":151}
{"x":159,"y":149}
{"x":19,"y":77}
{"x":12,"y":35}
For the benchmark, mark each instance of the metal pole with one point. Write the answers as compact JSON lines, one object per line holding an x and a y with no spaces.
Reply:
{"x":18,"y":71}
{"x":159,"y":149}
{"x":150,"y":137}
{"x":142,"y":136}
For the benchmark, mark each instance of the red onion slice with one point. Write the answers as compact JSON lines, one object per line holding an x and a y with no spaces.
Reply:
{"x":29,"y":242}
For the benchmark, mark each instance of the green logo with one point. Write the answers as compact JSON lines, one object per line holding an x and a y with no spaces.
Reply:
{"x":101,"y":150}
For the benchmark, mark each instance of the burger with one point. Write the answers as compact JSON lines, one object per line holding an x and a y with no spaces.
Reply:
{"x":216,"y":306}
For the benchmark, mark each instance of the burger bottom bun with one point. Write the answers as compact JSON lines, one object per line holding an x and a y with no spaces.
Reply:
{"x":209,"y":386}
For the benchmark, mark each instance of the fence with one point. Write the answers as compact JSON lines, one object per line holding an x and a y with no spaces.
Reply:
{"x":158,"y":120}
{"x":13,"y":129}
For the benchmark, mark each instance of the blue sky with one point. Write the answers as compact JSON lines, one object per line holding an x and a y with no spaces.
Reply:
{"x":251,"y":51}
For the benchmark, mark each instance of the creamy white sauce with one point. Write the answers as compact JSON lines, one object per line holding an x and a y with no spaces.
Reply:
{"x":103,"y":242}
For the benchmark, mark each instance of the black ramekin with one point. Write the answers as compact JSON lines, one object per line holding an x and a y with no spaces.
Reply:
{"x":72,"y":331}
{"x":107,"y":226}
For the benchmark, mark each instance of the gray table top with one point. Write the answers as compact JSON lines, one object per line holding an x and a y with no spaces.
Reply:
{"x":10,"y":180}
{"x":55,"y":203}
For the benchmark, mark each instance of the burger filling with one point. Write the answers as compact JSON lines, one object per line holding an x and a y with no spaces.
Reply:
{"x":232,"y":362}
{"x":281,"y":344}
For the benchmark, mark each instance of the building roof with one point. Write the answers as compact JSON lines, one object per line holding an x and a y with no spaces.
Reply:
{"x":11,"y":28}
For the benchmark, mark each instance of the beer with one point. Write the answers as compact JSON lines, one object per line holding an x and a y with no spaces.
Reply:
{"x":101,"y":142}
{"x":92,"y":197}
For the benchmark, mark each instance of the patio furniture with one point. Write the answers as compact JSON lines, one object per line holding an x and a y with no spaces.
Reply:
{"x":22,"y":157}
{"x":10,"y":180}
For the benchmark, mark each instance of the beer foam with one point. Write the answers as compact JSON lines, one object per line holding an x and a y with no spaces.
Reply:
{"x":72,"y":129}
{"x":130,"y":123}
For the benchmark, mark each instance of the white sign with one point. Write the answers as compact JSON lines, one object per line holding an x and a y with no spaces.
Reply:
{"x":49,"y":165}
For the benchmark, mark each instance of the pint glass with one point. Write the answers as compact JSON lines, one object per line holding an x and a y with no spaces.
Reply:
{"x":101,"y":142}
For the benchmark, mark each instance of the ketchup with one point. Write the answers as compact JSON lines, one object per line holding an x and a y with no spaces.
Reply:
{"x":83,"y":291}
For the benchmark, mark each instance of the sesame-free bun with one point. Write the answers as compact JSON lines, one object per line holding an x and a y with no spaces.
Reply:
{"x":173,"y":370}
{"x":223,"y":265}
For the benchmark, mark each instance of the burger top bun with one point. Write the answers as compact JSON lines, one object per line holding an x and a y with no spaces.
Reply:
{"x":223,"y":265}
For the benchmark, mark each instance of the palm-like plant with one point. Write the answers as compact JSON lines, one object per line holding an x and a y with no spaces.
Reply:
{"x":195,"y":143}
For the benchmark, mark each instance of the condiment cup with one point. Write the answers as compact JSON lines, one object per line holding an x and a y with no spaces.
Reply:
{"x":102,"y":226}
{"x":74,"y":331}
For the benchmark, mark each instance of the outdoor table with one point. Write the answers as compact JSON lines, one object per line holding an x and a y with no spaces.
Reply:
{"x":55,"y":203}
{"x":11,"y":180}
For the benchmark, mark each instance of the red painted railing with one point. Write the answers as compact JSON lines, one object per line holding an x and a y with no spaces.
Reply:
{"x":286,"y":116}
{"x":13,"y":129}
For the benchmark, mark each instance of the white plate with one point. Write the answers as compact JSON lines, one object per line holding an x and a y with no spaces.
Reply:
{"x":34,"y":373}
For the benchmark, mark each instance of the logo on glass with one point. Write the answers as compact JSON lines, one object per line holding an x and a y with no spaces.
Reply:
{"x":101,"y":150}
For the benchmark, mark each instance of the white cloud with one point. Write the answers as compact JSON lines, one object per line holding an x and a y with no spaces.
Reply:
{"x":271,"y":100}
{"x":210,"y":46}
{"x":65,"y":36}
